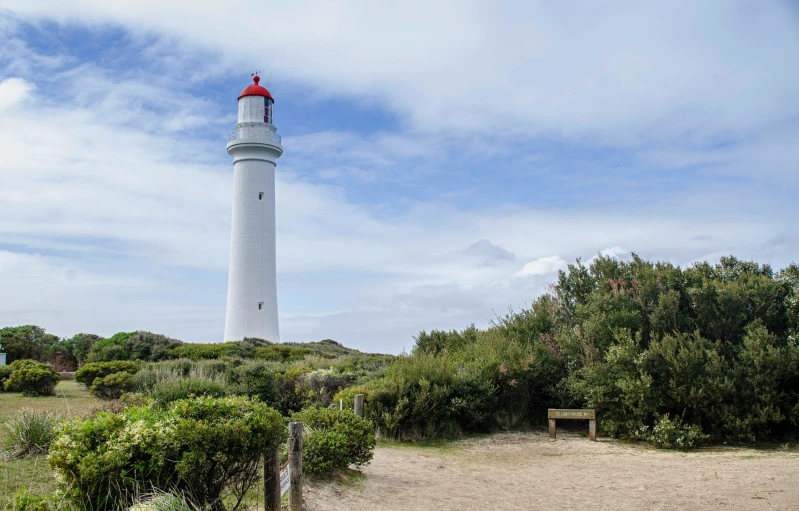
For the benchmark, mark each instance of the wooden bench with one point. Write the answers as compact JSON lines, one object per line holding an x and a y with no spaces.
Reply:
{"x":584,"y":414}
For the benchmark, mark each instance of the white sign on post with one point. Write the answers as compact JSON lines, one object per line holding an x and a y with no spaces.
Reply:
{"x":284,"y":481}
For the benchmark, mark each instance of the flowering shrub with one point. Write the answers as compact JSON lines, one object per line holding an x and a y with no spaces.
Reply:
{"x":206,"y":448}
{"x":669,"y":433}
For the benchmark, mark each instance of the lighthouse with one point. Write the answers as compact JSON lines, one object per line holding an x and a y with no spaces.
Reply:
{"x":252,"y":283}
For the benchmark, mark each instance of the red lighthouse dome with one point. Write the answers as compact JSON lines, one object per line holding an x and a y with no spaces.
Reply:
{"x":256,"y":90}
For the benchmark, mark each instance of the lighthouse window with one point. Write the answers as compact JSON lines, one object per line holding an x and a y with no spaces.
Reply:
{"x":260,"y":306}
{"x":260,"y":195}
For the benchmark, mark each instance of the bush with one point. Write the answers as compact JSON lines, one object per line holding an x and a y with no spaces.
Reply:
{"x":254,"y":379}
{"x":93,"y":370}
{"x":113,"y":385}
{"x":208,"y":449}
{"x":338,"y":439}
{"x":32,"y":378}
{"x":169,"y":391}
{"x":673,"y":434}
{"x":413,"y":400}
{"x":30,"y":433}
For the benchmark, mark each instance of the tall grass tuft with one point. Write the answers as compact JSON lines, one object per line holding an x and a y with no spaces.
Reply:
{"x":30,"y":433}
{"x":163,"y":501}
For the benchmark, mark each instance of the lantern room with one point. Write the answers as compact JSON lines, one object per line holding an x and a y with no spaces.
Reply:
{"x":255,"y":103}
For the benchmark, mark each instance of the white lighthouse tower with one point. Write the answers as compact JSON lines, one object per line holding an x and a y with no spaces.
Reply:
{"x":252,"y":288}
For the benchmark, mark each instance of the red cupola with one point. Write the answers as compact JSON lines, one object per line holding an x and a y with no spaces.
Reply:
{"x":256,"y":90}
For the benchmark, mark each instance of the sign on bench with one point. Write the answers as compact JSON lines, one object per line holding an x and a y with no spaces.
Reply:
{"x":585,"y":414}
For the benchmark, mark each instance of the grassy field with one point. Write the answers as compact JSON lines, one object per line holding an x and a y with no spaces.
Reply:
{"x":33,"y":473}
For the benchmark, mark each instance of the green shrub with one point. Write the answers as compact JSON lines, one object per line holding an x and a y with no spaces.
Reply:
{"x":30,"y":433}
{"x":113,"y":385}
{"x":290,"y":396}
{"x":413,"y":400}
{"x":338,"y":439}
{"x":670,"y":433}
{"x":254,"y":379}
{"x":93,"y":370}
{"x":107,"y":350}
{"x":208,"y":449}
{"x":32,"y":378}
{"x":183,"y":388}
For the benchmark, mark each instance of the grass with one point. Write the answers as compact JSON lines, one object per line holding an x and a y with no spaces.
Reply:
{"x":33,"y":473}
{"x":71,"y":398}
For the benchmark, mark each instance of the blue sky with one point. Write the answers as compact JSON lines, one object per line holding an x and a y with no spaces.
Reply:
{"x":442,"y":161}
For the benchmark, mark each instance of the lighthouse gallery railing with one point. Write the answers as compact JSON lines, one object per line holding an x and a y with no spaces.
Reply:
{"x":253,"y":134}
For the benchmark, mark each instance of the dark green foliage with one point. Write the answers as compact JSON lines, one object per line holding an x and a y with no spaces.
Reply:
{"x":196,"y":351}
{"x":338,"y":439}
{"x":254,"y":379}
{"x":438,"y":341}
{"x":27,"y":342}
{"x":151,"y":347}
{"x":709,"y":351}
{"x":81,"y":344}
{"x":113,"y":348}
{"x":167,"y":391}
{"x":208,"y":449}
{"x":144,"y":346}
{"x":32,"y":378}
{"x":113,"y":385}
{"x":279,"y":353}
{"x":93,"y":370}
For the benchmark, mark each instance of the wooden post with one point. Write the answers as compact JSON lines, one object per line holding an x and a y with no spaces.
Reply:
{"x":592,"y":429}
{"x":295,"y":466}
{"x":359,"y":405}
{"x":552,"y":428}
{"x":272,"y":481}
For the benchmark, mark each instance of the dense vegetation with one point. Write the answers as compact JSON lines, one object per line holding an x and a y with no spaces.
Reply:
{"x":672,"y":356}
{"x":664,"y":354}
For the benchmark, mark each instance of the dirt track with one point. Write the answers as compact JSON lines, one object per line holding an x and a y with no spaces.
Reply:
{"x":521,"y":471}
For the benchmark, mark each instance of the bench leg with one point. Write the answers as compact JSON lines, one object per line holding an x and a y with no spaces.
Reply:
{"x":592,"y":429}
{"x":552,"y":428}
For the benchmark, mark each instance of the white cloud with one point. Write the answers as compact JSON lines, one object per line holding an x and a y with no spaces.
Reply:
{"x":13,"y":91}
{"x":543,"y":266}
{"x":611,"y":72}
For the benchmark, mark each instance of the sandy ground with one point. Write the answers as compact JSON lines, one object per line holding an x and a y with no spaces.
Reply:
{"x":518,"y":471}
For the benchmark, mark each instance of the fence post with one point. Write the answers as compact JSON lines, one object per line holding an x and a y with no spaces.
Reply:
{"x":592,"y":429}
{"x":359,"y":405}
{"x":272,"y":480}
{"x":295,"y":466}
{"x":552,"y":428}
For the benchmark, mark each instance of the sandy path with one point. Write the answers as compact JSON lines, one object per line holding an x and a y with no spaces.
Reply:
{"x":526,"y":471}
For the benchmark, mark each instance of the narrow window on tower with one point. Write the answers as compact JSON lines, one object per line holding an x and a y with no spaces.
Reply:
{"x":260,"y":306}
{"x":260,"y":195}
